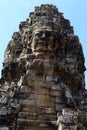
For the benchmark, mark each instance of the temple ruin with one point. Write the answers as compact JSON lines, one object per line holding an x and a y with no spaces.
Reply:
{"x":43,"y":84}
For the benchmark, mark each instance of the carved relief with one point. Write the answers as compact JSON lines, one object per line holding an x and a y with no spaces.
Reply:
{"x":43,"y":74}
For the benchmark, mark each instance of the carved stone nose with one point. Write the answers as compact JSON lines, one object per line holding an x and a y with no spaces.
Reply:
{"x":43,"y":35}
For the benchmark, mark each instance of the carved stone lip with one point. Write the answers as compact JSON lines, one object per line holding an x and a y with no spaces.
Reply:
{"x":40,"y":42}
{"x":41,"y":49}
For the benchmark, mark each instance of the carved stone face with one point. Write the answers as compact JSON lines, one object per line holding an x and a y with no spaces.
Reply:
{"x":43,"y":40}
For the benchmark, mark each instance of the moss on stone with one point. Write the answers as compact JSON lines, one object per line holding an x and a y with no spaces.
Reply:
{"x":80,"y":127}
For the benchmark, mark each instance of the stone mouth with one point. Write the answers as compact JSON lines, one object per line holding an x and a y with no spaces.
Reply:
{"x":41,"y":42}
{"x":41,"y":49}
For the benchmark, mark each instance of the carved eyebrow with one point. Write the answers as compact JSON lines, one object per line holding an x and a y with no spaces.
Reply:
{"x":38,"y":32}
{"x":48,"y":33}
{"x":41,"y":32}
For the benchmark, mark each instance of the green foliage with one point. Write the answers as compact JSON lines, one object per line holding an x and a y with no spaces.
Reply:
{"x":80,"y":127}
{"x":82,"y":120}
{"x":81,"y":116}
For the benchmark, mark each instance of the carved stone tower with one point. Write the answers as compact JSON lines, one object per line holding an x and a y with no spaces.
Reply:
{"x":42,"y":85}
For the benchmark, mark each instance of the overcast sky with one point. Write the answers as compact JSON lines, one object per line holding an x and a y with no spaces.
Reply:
{"x":12,"y":12}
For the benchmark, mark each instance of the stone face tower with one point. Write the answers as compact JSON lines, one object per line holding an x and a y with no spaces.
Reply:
{"x":42,"y":85}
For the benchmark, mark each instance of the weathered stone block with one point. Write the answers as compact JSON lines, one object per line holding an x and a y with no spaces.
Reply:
{"x":47,"y":117}
{"x":27,"y":115}
{"x":56,"y":93}
{"x":25,"y":88}
{"x":56,"y":87}
{"x":29,"y":105}
{"x":64,"y":127}
{"x":60,"y":100}
{"x":4,"y":128}
{"x":46,"y":100}
{"x":48,"y":68}
{"x":59,"y":107}
{"x":51,"y":78}
{"x":46,"y":85}
{"x":48,"y":110}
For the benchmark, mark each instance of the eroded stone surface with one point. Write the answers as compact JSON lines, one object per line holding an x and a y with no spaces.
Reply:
{"x":43,"y":75}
